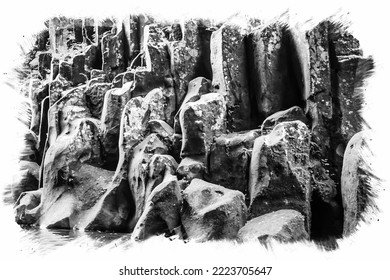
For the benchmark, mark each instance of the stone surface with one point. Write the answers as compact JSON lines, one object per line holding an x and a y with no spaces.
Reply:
{"x":279,"y":175}
{"x":156,"y":105}
{"x":228,"y":62}
{"x":78,"y":70}
{"x":356,"y":190}
{"x":187,"y":58}
{"x":115,"y":101}
{"x":191,"y":167}
{"x":56,"y":89}
{"x":140,"y":161}
{"x":92,"y":61}
{"x":162,"y":211}
{"x":113,"y":54}
{"x":229,"y":160}
{"x":54,"y":68}
{"x":26,"y":179}
{"x":196,"y":88}
{"x":319,"y":102}
{"x":343,"y":41}
{"x":44,"y":66}
{"x":65,"y":71}
{"x":94,"y":96}
{"x":201,"y":121}
{"x":350,"y":74}
{"x":25,"y":205}
{"x":277,"y":83}
{"x":212,"y":212}
{"x":38,"y":91}
{"x":281,"y":225}
{"x":294,"y":113}
{"x":44,"y":126}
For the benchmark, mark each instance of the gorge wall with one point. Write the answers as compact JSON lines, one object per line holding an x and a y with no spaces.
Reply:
{"x":241,"y":130}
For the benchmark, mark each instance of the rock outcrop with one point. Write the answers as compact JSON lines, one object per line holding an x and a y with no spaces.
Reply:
{"x":191,"y":127}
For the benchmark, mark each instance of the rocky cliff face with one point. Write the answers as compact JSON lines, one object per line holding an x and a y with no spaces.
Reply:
{"x":201,"y":130}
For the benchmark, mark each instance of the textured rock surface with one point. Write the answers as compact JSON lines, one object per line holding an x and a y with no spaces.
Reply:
{"x":123,"y":114}
{"x":113,"y":54}
{"x":279,"y":176}
{"x":319,"y":102}
{"x":26,"y":179}
{"x":162,"y":211}
{"x":192,"y":167}
{"x":114,"y":103}
{"x":227,"y":54}
{"x":281,"y":225}
{"x":229,"y":159}
{"x":201,"y":121}
{"x":355,"y":177}
{"x":212,"y":212}
{"x":277,"y":83}
{"x":140,"y":167}
{"x":187,"y":57}
{"x":293,"y":114}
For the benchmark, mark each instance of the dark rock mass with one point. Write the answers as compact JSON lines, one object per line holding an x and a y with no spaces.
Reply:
{"x":237,"y":130}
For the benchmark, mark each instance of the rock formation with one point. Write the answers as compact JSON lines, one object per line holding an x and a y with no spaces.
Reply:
{"x":208,"y":131}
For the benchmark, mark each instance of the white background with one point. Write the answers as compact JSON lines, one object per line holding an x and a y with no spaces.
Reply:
{"x":365,"y":255}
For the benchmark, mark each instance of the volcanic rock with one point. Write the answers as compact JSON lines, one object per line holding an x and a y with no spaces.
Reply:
{"x":212,"y":212}
{"x":279,"y":175}
{"x":281,"y":225}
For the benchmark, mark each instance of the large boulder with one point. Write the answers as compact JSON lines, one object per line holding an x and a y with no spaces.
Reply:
{"x":212,"y":212}
{"x":281,"y":225}
{"x":356,"y":185}
{"x":200,"y":122}
{"x":229,"y":159}
{"x":162,"y":211}
{"x":279,"y":175}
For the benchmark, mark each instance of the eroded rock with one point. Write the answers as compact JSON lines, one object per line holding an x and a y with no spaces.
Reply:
{"x":292,"y":114}
{"x":229,"y":160}
{"x":162,"y":211}
{"x":228,"y":62}
{"x":212,"y":212}
{"x":139,"y":168}
{"x":281,"y":225}
{"x":201,"y":121}
{"x":279,"y":175}
{"x":276,"y":76}
{"x":356,"y":189}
